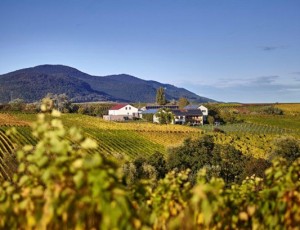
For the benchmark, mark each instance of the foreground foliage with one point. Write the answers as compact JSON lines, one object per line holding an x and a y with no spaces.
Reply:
{"x":62,"y":182}
{"x":58,"y":185}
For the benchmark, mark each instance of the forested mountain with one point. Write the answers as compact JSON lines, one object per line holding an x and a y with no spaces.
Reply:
{"x":32,"y":84}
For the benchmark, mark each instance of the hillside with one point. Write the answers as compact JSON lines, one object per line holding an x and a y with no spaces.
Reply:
{"x":32,"y":84}
{"x":127,"y":140}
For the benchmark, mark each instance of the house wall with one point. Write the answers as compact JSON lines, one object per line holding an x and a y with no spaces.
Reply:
{"x":127,"y":110}
{"x":195,"y":119}
{"x":204,"y":110}
{"x":179,"y":119}
{"x":155,"y":119}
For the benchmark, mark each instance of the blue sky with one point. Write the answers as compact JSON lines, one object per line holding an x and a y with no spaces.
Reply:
{"x":246,"y":51}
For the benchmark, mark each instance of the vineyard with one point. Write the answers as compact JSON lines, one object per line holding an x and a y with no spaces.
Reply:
{"x":262,"y":118}
{"x":282,"y":124}
{"x":79,"y":178}
{"x":290,"y":109}
{"x":254,"y":136}
{"x":257,"y":134}
{"x":8,"y":144}
{"x":256,"y":145}
{"x":121,"y":140}
{"x":249,"y":128}
{"x":10,"y":120}
{"x":63,"y":182}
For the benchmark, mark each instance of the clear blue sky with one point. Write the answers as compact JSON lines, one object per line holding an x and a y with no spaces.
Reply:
{"x":247,"y":51}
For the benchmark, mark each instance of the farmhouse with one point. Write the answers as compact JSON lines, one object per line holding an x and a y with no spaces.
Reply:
{"x":192,"y":116}
{"x":203,"y":109}
{"x":121,"y":112}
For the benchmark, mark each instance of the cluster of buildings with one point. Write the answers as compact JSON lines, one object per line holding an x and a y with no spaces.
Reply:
{"x":192,"y":114}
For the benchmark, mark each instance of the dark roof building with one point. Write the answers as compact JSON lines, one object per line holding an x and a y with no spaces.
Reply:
{"x":150,"y":111}
{"x":191,"y":107}
{"x":147,"y":107}
{"x":184,"y":112}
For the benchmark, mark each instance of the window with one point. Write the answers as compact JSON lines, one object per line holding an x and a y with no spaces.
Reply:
{"x":126,"y":108}
{"x":129,"y":108}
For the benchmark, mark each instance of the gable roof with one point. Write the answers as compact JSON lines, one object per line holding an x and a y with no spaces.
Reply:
{"x":150,"y":111}
{"x":191,"y":107}
{"x":161,"y":106}
{"x":118,"y":106}
{"x":192,"y":112}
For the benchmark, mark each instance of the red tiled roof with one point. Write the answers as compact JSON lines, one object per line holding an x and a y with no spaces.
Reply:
{"x":118,"y":106}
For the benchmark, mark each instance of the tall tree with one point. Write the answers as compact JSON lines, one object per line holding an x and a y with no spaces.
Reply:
{"x":160,"y":96}
{"x":17,"y":104}
{"x":183,"y":102}
{"x":60,"y":101}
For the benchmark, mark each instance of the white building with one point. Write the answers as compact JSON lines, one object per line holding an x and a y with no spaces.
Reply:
{"x":121,"y":112}
{"x":191,"y":116}
{"x":204,"y":110}
{"x":123,"y":109}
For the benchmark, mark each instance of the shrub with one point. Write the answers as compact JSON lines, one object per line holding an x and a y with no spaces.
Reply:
{"x":59,"y":185}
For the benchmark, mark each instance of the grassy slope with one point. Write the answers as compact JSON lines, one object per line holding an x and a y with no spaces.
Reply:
{"x":125,"y":140}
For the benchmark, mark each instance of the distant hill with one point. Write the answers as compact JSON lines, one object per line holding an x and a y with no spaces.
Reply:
{"x":32,"y":84}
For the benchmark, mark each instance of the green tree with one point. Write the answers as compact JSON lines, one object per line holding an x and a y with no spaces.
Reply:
{"x":286,"y":147}
{"x":214,"y":112}
{"x":219,"y":160}
{"x":182,"y":102}
{"x":229,"y":117}
{"x":17,"y":104}
{"x":211,"y":120}
{"x":157,"y":160}
{"x":232,"y":163}
{"x":193,"y":155}
{"x":139,"y":169}
{"x":160,"y":96}
{"x":165,"y":116}
{"x":273,"y":110}
{"x":61,"y":102}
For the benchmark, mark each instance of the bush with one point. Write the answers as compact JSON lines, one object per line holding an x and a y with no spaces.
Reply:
{"x":273,"y":110}
{"x":286,"y":147}
{"x":59,"y":185}
{"x":148,"y":117}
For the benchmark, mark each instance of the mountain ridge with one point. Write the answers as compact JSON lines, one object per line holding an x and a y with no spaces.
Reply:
{"x":32,"y":84}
